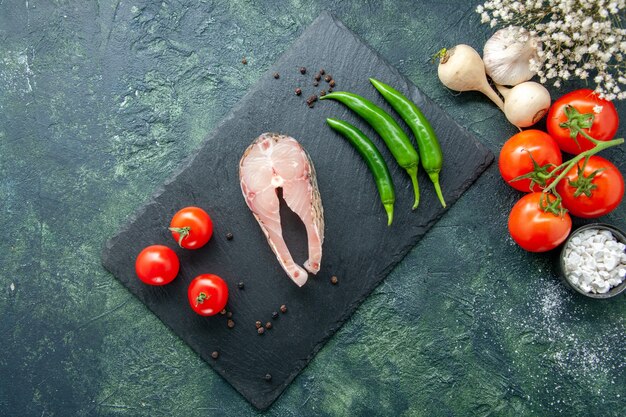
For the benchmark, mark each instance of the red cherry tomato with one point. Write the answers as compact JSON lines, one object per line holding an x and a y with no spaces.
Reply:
{"x":515,"y":159}
{"x":157,"y":265}
{"x":534,"y":229}
{"x":600,"y":193}
{"x":207,"y":294}
{"x":585,"y":101}
{"x":191,"y":227}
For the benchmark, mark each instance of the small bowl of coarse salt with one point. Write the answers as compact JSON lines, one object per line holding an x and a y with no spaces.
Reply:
{"x":593,"y":261}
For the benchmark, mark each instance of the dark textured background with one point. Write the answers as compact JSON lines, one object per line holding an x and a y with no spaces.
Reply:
{"x":101,"y":102}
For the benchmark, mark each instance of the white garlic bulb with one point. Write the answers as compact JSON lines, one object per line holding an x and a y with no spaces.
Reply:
{"x":507,"y":55}
{"x":526,"y":103}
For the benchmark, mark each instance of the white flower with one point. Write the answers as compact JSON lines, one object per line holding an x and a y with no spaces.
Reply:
{"x":578,"y":39}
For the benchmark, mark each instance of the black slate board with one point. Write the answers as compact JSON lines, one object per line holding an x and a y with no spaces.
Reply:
{"x":359,"y":248}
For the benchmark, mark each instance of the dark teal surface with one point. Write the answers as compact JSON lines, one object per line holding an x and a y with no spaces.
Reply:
{"x":101,"y":102}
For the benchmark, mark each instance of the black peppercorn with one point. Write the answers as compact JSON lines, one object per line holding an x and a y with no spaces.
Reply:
{"x":328,"y":78}
{"x":276,"y":75}
{"x":240,"y":285}
{"x":275,"y":314}
{"x":317,"y":77}
{"x":268,"y":325}
{"x":229,"y":236}
{"x":334,"y":280}
{"x":260,"y":330}
{"x":244,"y":61}
{"x":323,"y":93}
{"x":283,"y":308}
{"x":298,"y":91}
{"x":230,"y":324}
{"x":267,"y":377}
{"x":229,"y":314}
{"x":223,"y":312}
{"x":215,"y":354}
{"x":258,"y":324}
{"x":311,"y":100}
{"x":332,"y":83}
{"x":302,"y":70}
{"x":322,"y":71}
{"x":315,"y":83}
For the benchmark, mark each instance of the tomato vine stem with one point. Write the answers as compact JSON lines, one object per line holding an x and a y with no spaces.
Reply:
{"x":566,"y":166}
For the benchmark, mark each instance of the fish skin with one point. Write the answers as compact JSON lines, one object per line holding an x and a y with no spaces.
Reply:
{"x":275,"y":161}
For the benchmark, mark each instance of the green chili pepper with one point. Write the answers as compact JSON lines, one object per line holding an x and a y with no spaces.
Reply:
{"x":373,"y":159}
{"x":427,"y":144}
{"x":396,"y":140}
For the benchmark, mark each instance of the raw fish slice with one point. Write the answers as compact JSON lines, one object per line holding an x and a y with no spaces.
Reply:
{"x":297,"y":196}
{"x":266,"y":209}
{"x":275,"y":161}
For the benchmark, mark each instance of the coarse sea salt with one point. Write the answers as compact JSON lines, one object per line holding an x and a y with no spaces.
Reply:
{"x":595,"y":261}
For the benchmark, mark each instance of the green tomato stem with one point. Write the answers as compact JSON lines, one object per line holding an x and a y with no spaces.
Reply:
{"x":183,"y":232}
{"x":201,"y":298}
{"x":565,"y":167}
{"x":586,"y":135}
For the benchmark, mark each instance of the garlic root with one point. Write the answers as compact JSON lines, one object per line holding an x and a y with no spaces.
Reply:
{"x":462,"y":69}
{"x":526,"y":103}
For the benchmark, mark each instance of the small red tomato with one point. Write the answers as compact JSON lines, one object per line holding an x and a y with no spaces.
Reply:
{"x":592,"y":191}
{"x":207,"y":294}
{"x":515,"y":160}
{"x":535,"y":229}
{"x":191,"y":227}
{"x":157,"y":265}
{"x":596,"y":116}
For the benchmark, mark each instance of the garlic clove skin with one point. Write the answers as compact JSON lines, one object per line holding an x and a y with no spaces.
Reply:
{"x":526,"y":103}
{"x":507,"y":55}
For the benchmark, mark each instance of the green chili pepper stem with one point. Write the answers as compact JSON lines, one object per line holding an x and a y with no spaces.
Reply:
{"x":434,"y":178}
{"x":413,"y":174}
{"x":373,"y":159}
{"x":427,"y":144}
{"x":396,"y":140}
{"x":389,"y":211}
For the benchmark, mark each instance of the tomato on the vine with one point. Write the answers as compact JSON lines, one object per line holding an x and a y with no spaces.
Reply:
{"x":207,"y":294}
{"x":531,"y":154}
{"x":585,"y":110}
{"x":157,"y":265}
{"x":592,"y":189}
{"x":538,"y":223}
{"x":191,"y":227}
